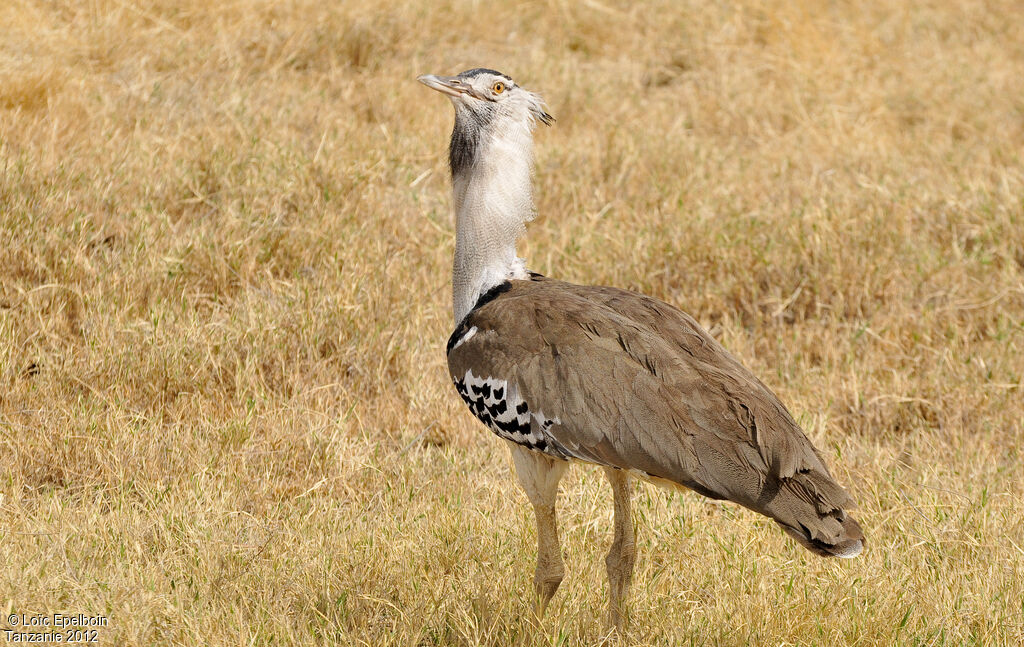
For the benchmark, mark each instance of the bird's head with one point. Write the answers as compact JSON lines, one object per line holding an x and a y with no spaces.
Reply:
{"x":489,"y":106}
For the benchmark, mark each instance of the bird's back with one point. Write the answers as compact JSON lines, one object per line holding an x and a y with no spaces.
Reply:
{"x":620,"y":379}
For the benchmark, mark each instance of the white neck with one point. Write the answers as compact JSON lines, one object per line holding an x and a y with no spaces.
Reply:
{"x":493,"y":201}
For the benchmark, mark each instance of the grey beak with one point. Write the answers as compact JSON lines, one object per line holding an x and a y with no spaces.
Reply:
{"x":450,"y":85}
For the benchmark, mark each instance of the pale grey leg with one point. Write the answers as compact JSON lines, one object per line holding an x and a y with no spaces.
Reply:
{"x":622,"y":555}
{"x":539,"y":475}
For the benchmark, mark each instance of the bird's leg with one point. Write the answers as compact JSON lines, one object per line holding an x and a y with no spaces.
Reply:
{"x":622,"y":555}
{"x":539,"y":475}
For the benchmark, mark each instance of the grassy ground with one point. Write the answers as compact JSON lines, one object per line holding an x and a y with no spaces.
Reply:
{"x":225,"y":238}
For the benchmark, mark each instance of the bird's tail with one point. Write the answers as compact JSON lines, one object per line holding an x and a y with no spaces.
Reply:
{"x":809,"y":506}
{"x":847,"y":544}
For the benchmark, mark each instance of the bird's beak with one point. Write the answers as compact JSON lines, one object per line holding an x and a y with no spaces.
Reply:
{"x":450,"y":85}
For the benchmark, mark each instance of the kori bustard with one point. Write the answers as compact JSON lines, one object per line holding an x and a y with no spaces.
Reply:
{"x":566,"y":372}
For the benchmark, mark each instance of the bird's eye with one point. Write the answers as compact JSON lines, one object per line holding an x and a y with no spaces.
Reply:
{"x":498,"y":87}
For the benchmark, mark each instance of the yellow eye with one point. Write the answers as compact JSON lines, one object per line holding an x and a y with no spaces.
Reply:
{"x":498,"y":87}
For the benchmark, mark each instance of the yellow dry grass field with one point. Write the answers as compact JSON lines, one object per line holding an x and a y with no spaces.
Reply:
{"x":225,"y":243}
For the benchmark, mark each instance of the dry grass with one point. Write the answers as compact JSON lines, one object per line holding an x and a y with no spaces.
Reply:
{"x":225,"y":237}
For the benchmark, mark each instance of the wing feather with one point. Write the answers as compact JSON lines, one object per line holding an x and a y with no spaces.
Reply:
{"x":630,"y":382}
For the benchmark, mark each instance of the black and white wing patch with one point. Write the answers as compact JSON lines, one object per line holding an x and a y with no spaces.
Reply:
{"x":501,"y":407}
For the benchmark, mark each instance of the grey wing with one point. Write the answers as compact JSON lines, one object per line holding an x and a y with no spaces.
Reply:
{"x":579,"y":380}
{"x":739,"y":399}
{"x":640,"y":386}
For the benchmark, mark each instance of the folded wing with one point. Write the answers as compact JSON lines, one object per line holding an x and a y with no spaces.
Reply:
{"x":619,"y":379}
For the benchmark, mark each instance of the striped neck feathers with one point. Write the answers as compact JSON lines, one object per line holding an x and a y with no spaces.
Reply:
{"x":491,"y":172}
